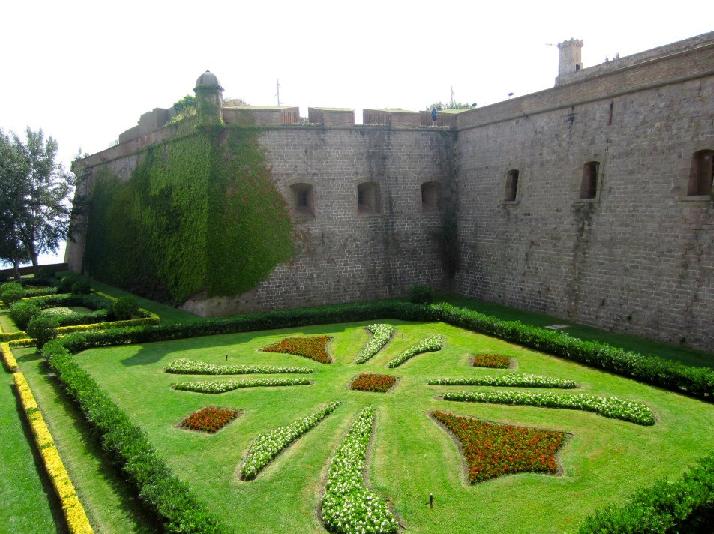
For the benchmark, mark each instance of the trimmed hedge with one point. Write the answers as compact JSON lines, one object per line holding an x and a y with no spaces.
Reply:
{"x":168,"y":497}
{"x":686,"y":505}
{"x":694,"y":381}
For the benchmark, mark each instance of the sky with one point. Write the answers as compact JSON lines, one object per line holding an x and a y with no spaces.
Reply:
{"x":84,"y":71}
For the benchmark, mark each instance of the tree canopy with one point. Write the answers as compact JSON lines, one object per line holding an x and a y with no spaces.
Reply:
{"x":34,"y":197}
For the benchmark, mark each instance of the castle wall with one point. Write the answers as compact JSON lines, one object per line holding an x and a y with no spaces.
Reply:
{"x":639,"y":257}
{"x":342,"y":255}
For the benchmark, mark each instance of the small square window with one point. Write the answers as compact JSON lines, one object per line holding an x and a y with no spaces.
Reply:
{"x":302,"y":198}
{"x":368,"y":197}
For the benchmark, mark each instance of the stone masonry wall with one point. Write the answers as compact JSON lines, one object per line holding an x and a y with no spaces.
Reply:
{"x":638,"y":258}
{"x":343,"y":255}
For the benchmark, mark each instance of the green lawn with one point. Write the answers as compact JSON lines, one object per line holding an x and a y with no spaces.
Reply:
{"x":603,"y":461}
{"x":6,"y":323}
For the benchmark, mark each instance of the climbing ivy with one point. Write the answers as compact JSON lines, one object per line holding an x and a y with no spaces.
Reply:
{"x":199,"y":215}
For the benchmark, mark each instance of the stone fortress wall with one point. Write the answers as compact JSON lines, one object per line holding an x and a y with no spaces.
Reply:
{"x":636,"y":255}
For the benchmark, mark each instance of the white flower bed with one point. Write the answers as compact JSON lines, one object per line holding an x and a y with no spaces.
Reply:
{"x":348,"y":506}
{"x":381,"y":334}
{"x":429,"y":344}
{"x":635,"y":412}
{"x":268,"y":445}
{"x":508,"y":379}
{"x":222,"y":387}
{"x":184,"y":366}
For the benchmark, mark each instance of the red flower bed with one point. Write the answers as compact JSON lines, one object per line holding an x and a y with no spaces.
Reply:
{"x":210,"y":419}
{"x":314,"y":347}
{"x":492,"y":450}
{"x":497,"y":361}
{"x":371,"y":382}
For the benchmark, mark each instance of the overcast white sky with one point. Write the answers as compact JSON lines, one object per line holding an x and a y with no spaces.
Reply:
{"x":85,"y":70}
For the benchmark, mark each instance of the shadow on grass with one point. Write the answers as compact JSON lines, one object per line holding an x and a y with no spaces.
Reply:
{"x":142,"y":520}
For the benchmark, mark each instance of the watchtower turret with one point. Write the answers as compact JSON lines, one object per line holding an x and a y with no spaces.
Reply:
{"x":209,"y":99}
{"x":569,"y":57}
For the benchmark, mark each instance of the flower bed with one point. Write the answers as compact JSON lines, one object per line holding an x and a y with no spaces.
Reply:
{"x":209,"y":419}
{"x":510,"y":379}
{"x":268,"y":445}
{"x":635,"y":412}
{"x":75,"y":516}
{"x":8,"y":357}
{"x":372,"y":382}
{"x":495,"y":361}
{"x":183,"y":366}
{"x":222,"y":387}
{"x":381,"y":334}
{"x":429,"y":344}
{"x":314,"y":347}
{"x":347,"y":505}
{"x":492,"y":450}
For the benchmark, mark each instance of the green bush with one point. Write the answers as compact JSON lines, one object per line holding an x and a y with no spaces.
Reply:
{"x":66,"y":282}
{"x":11,"y":292}
{"x":168,"y":497}
{"x":42,"y":329}
{"x":421,"y":295}
{"x":21,"y":312}
{"x":686,"y":505}
{"x":81,"y":287}
{"x":125,"y":308}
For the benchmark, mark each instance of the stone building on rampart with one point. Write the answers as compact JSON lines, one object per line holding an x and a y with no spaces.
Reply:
{"x":590,"y":201}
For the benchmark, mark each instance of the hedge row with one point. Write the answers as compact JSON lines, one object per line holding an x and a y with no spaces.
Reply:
{"x":169,"y":498}
{"x":694,"y":381}
{"x":686,"y":505}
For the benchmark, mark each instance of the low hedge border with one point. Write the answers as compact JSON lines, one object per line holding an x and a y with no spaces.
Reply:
{"x":519,"y":380}
{"x":74,"y":514}
{"x":159,"y":489}
{"x":685,"y":505}
{"x":694,"y":381}
{"x":8,"y":358}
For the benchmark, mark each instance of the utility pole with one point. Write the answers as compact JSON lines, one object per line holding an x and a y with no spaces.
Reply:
{"x":277,"y":87}
{"x":452,"y":96}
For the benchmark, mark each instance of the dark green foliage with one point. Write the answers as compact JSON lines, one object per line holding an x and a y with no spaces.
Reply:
{"x":686,"y":505}
{"x":42,"y":329}
{"x":66,"y":282}
{"x":421,"y":295}
{"x":11,"y":292}
{"x":81,"y":287}
{"x":125,"y":308}
{"x":199,"y":215}
{"x":21,"y":312}
{"x":169,"y":498}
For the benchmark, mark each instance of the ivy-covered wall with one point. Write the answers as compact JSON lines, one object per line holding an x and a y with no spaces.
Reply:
{"x":199,"y":215}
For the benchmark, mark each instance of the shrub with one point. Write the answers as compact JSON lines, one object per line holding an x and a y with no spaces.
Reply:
{"x":381,"y":334}
{"x":635,"y":412}
{"x":520,"y":449}
{"x":495,"y":361}
{"x":11,"y":292}
{"x":373,"y":382}
{"x":347,"y":505}
{"x":314,"y":347}
{"x":209,"y":419}
{"x":81,"y":287}
{"x":66,"y":282}
{"x":268,"y":445}
{"x":183,"y":366}
{"x":421,"y":295}
{"x":429,"y":344}
{"x":42,"y":329}
{"x":21,"y":312}
{"x":686,"y":505}
{"x":125,"y":308}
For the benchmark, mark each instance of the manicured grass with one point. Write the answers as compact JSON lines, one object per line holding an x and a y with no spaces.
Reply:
{"x":7,"y":325}
{"x":624,"y":341}
{"x":27,"y":500}
{"x":110,"y":504}
{"x":603,"y":462}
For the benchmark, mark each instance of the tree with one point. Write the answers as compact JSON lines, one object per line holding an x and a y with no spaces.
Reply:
{"x":35,"y":190}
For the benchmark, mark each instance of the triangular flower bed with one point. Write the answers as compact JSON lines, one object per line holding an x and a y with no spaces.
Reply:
{"x":492,"y":450}
{"x":209,"y":419}
{"x":314,"y":347}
